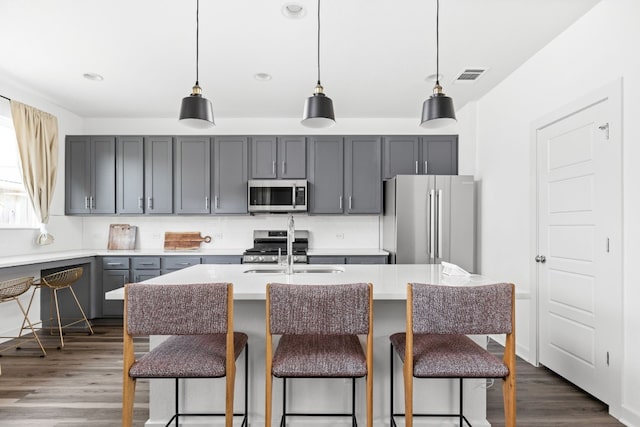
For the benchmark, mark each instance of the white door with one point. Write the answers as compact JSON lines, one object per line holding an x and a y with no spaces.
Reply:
{"x":579,"y":247}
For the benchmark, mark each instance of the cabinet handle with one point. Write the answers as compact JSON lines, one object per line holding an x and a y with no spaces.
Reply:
{"x":140,"y":202}
{"x":92,"y":202}
{"x":86,"y":202}
{"x":426,"y":169}
{"x":183,"y":263}
{"x":273,"y":167}
{"x":284,"y":168}
{"x":206,"y":203}
{"x":340,"y":202}
{"x":217,"y":202}
{"x":114,"y":263}
{"x":416,"y":167}
{"x":350,"y":202}
{"x":150,"y":202}
{"x":146,"y":263}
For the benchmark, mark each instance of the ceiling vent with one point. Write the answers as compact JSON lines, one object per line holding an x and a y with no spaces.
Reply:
{"x":470,"y":75}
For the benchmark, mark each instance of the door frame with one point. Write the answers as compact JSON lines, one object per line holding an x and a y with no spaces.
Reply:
{"x":613,"y":93}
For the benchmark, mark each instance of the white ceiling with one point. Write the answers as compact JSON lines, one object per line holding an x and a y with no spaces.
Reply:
{"x":375,"y":54}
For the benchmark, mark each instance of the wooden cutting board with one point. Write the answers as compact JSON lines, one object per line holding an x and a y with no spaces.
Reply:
{"x":122,"y":237}
{"x":184,"y":241}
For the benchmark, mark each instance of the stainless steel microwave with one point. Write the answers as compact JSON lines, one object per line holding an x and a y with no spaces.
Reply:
{"x":277,"y":195}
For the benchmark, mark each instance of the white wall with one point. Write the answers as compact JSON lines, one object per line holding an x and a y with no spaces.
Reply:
{"x":596,"y":50}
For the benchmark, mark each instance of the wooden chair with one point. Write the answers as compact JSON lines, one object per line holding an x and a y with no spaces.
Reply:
{"x":11,"y":290}
{"x":56,"y":282}
{"x":319,"y":327}
{"x":435,"y":344}
{"x":202,"y":342}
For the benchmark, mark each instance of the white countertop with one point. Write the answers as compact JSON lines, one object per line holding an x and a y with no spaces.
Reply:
{"x":389,"y":280}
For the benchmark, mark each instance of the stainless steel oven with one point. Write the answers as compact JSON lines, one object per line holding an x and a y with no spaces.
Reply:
{"x":277,"y":195}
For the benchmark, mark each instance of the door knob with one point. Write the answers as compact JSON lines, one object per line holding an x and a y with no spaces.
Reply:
{"x":541,"y":258}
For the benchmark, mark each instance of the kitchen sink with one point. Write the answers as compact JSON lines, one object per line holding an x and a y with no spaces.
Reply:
{"x":299,"y":270}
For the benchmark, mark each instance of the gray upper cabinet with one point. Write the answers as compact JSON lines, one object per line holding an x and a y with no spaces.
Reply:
{"x":90,"y":180}
{"x":401,"y":155}
{"x":326,"y":172}
{"x":363,"y":175}
{"x":264,"y":157}
{"x":278,"y":157}
{"x":192,"y":175}
{"x":292,"y":157}
{"x":129,"y":175}
{"x":440,"y":154}
{"x":413,"y":155}
{"x":230,"y":159}
{"x":158,"y":178}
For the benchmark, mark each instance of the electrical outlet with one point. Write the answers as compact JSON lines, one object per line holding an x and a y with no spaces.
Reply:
{"x":156,"y":236}
{"x":340,"y":236}
{"x":216,"y":236}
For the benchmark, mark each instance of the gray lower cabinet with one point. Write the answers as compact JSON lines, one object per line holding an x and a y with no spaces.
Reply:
{"x":325,"y":156}
{"x":281,"y":157}
{"x":363,"y":175}
{"x":192,"y":175}
{"x":90,"y":175}
{"x":354,"y":259}
{"x":418,"y":155}
{"x":230,"y":158}
{"x":173,"y":263}
{"x":144,"y":268}
{"x":115,"y":274}
{"x":158,"y":177}
{"x":222,"y":259}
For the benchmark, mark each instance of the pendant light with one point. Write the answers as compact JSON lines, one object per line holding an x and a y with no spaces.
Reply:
{"x":318,"y":108}
{"x":196,"y":110}
{"x":438,"y":111}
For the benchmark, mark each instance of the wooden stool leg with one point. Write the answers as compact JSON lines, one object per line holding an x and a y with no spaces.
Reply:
{"x":33,"y":331}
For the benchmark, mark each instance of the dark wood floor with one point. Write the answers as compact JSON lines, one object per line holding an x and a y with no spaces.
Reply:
{"x":81,"y":386}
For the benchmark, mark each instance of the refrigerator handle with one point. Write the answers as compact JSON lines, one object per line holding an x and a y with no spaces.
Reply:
{"x":431,"y":229}
{"x":439,"y":247}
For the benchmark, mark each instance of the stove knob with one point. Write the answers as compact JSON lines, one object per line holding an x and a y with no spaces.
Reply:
{"x":272,"y":258}
{"x":249,"y":258}
{"x":260,"y":258}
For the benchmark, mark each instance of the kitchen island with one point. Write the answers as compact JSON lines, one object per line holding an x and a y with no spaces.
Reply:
{"x":389,"y":293}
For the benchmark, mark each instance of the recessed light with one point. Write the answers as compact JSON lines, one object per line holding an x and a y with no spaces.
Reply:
{"x":93,"y":77}
{"x":262,"y":77}
{"x":293,"y":10}
{"x":434,"y":77}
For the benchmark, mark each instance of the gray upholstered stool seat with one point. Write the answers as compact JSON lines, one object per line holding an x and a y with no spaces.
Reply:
{"x":449,"y":356}
{"x":323,"y":356}
{"x":188,"y":356}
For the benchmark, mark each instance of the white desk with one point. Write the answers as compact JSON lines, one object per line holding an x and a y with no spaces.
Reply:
{"x":389,"y":293}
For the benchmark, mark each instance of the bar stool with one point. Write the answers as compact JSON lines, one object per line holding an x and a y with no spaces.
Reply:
{"x":319,"y":327}
{"x":202,"y":344}
{"x":56,"y":282}
{"x":435,"y":344}
{"x":10,"y":290}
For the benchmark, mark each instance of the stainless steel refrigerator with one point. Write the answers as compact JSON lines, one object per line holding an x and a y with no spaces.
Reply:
{"x":430,"y":218}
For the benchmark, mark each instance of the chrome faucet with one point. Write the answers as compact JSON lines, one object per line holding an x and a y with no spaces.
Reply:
{"x":291,"y":231}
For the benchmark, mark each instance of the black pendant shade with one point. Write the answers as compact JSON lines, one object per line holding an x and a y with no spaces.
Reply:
{"x":318,"y":111}
{"x":196,"y":111}
{"x":438,"y":111}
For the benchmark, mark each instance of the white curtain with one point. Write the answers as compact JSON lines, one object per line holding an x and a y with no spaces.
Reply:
{"x":37,"y":135}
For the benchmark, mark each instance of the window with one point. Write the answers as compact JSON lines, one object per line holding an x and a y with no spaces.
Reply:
{"x":16,"y":210}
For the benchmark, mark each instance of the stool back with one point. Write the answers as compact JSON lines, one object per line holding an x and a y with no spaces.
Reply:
{"x":9,"y":289}
{"x":63,"y":278}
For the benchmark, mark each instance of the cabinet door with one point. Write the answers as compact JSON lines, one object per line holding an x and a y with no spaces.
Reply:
{"x":326,"y":259}
{"x":263,"y":157}
{"x":222,"y":259}
{"x":292,"y":157}
{"x":158,"y":178}
{"x":103,"y":175}
{"x":230,"y":175}
{"x":142,"y":275}
{"x":401,"y":155}
{"x":362,"y":175}
{"x":192,"y":175}
{"x":367,"y":259}
{"x":77,"y":175}
{"x":129,"y":175}
{"x":326,"y":171}
{"x":440,"y":155}
{"x":113,"y":279}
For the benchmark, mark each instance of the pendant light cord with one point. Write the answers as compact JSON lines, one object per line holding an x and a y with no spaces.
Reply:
{"x":318,"y":41}
{"x":437,"y":42}
{"x":197,"y":41}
